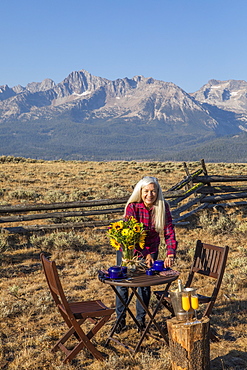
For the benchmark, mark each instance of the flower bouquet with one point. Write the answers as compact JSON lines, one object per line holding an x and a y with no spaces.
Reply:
{"x":126,"y":235}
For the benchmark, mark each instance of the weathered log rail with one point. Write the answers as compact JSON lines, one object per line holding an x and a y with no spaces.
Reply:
{"x":189,"y":196}
{"x":209,"y":179}
{"x":95,"y":206}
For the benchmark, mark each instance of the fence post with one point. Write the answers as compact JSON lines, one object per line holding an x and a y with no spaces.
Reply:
{"x":189,"y":344}
{"x":190,"y":184}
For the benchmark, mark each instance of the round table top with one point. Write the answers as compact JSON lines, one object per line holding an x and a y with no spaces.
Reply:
{"x":140,"y":280}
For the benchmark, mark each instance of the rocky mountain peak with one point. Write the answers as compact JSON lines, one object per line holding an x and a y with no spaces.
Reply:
{"x":227,"y":95}
{"x":6,"y":92}
{"x":80,"y":81}
{"x":46,"y":84}
{"x":18,"y":89}
{"x":85,"y":114}
{"x":139,"y":99}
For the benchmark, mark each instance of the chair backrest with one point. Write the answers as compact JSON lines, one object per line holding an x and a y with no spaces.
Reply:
{"x":54,"y":284}
{"x":209,"y":260}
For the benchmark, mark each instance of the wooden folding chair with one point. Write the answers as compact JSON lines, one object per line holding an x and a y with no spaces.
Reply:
{"x":209,"y":261}
{"x":75,"y":314}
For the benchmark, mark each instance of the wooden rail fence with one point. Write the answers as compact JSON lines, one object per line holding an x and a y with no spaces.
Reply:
{"x":192,"y":194}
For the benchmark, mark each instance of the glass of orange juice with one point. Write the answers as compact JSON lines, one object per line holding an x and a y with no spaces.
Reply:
{"x":195,"y":303}
{"x":186,"y":303}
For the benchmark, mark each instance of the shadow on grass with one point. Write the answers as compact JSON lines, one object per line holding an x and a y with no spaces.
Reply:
{"x":12,"y":265}
{"x":232,"y":313}
{"x":234,"y":360}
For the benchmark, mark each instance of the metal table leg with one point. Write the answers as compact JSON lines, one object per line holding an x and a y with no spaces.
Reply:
{"x":126,"y":308}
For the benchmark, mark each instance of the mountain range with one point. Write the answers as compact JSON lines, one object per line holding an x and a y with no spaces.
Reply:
{"x":86,"y":117}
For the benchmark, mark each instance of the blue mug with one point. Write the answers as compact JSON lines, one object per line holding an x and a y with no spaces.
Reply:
{"x":158,"y":265}
{"x":115,"y":272}
{"x":124,"y":269}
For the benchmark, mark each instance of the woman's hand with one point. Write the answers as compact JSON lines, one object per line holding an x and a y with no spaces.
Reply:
{"x":149,"y":261}
{"x":169,"y":261}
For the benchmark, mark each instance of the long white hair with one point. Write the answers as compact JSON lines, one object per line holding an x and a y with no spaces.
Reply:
{"x":158,"y":213}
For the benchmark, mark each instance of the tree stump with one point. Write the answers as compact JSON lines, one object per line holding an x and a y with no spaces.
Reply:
{"x":189,"y":344}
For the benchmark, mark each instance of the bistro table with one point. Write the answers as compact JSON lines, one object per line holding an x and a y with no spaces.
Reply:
{"x":133,"y":281}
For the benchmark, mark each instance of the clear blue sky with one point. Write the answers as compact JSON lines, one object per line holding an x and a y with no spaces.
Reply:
{"x":187,"y":42}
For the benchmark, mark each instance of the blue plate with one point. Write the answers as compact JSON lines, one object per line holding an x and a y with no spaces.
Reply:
{"x":150,"y":271}
{"x":123,"y":276}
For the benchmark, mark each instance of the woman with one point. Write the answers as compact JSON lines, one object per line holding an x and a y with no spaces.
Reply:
{"x":148,"y":206}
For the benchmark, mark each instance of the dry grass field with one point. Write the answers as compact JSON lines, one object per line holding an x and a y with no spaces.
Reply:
{"x":29,"y":324}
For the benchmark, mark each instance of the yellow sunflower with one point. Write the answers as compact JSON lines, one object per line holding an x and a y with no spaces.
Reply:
{"x":125,"y":232}
{"x":136,"y":228}
{"x":115,"y":244}
{"x":142,"y":244}
{"x":133,"y":219}
{"x":117,"y":225}
{"x":131,"y":233}
{"x":142,"y":239}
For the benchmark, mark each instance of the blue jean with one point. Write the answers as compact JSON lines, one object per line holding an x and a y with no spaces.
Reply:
{"x":144,"y":292}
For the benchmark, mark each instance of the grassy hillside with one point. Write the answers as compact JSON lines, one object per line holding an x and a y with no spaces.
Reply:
{"x":99,"y":141}
{"x":28,"y":325}
{"x":231,"y":149}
